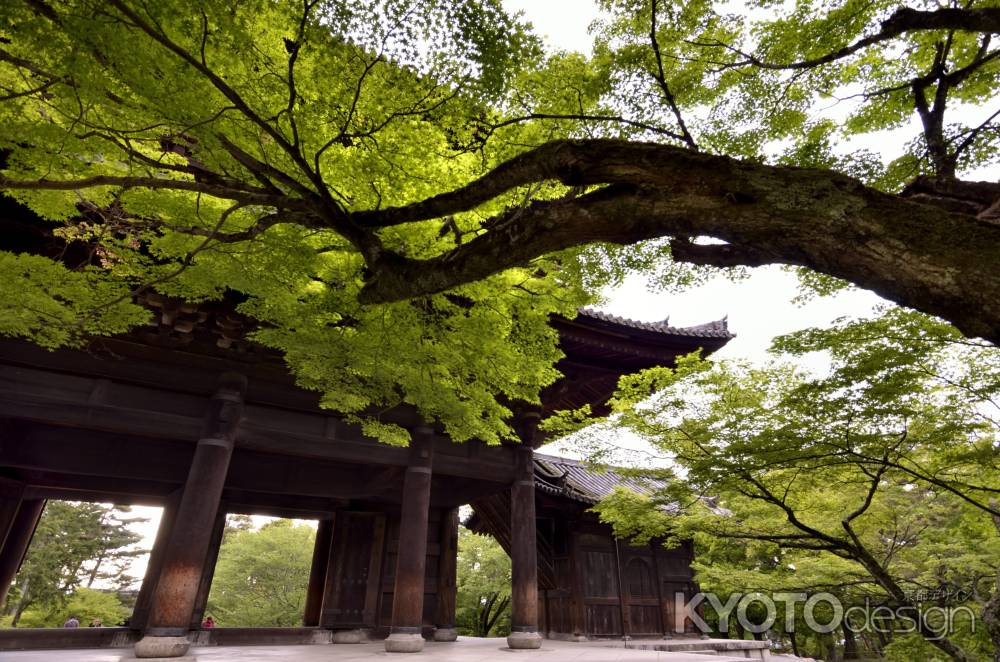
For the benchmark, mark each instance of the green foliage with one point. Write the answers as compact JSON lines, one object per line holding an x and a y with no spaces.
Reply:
{"x":88,"y":605}
{"x":56,"y":306}
{"x":483,"y":605}
{"x":410,"y":80}
{"x":871,"y":481}
{"x":221,"y":149}
{"x":261,"y":576}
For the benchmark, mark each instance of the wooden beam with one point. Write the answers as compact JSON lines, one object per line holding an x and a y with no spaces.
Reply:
{"x":97,"y":404}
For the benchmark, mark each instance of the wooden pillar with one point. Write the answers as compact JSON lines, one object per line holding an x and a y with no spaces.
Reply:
{"x":205,"y":587}
{"x":17,"y":541}
{"x":626,"y":622}
{"x":411,"y":559}
{"x":579,"y":607}
{"x":188,"y":545}
{"x":140,"y":613}
{"x":523,"y":554}
{"x":317,"y":573}
{"x":10,"y":499}
{"x":665,"y":628}
{"x":447,"y":583}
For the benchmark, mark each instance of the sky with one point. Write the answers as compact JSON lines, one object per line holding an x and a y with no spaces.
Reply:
{"x":757,"y":308}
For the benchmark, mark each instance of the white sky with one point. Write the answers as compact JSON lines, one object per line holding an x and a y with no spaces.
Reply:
{"x":758,"y":308}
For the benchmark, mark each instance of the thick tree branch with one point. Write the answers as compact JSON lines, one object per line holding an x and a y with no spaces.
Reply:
{"x":967,"y":20}
{"x":243,"y":194}
{"x":986,"y":20}
{"x":940,"y":262}
{"x":719,"y":255}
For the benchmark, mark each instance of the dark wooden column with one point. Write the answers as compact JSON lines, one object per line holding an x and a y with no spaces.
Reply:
{"x":205,"y":587}
{"x":317,"y":573}
{"x":19,"y":534}
{"x":411,"y":559}
{"x":188,"y":545}
{"x":140,"y":613}
{"x":626,"y":621}
{"x":578,"y":607}
{"x":10,"y":500}
{"x":447,"y":584}
{"x":523,"y":554}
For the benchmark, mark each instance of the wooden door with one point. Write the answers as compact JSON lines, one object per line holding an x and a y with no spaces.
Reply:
{"x":642,"y":603}
{"x":354,"y":573}
{"x":599,"y":579}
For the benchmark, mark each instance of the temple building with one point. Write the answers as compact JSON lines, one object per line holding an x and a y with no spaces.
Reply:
{"x":190,"y":416}
{"x":591,"y":584}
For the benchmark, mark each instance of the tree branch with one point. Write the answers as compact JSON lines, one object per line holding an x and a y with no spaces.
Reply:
{"x":661,"y":80}
{"x":986,"y":20}
{"x":939,"y":262}
{"x":243,"y":194}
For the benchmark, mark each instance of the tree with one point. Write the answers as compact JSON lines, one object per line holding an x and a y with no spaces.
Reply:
{"x":116,"y":547}
{"x":261,"y":576}
{"x":417,"y":179}
{"x":880,"y":476}
{"x":483,"y":605}
{"x":74,"y":545}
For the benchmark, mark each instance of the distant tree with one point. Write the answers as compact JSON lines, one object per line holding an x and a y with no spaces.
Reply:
{"x":117,"y":548}
{"x":75,"y":544}
{"x":262,"y":575}
{"x":879,"y":477}
{"x":483,"y":605}
{"x":235,"y":524}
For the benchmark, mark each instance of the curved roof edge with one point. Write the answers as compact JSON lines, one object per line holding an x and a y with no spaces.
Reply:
{"x":714,"y":329}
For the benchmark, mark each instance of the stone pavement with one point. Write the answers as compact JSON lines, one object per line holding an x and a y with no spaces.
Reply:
{"x":467,"y":649}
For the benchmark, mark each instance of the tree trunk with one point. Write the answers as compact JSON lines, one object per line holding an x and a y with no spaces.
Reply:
{"x":830,"y":648}
{"x":850,"y":643}
{"x":22,"y":603}
{"x":93,"y":572}
{"x":991,"y":610}
{"x":991,"y":619}
{"x":795,"y":643}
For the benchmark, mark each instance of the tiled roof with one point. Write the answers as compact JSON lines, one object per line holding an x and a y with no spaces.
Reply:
{"x":716,"y":329}
{"x":574,"y":480}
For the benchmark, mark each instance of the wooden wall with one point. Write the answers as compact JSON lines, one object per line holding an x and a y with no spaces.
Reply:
{"x":608,"y":589}
{"x":362,"y":570}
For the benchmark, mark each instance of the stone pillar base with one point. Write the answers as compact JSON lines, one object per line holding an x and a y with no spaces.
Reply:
{"x":445,"y":634}
{"x":169,"y":647}
{"x":524,"y":640}
{"x":346,"y":637}
{"x":399,"y":642}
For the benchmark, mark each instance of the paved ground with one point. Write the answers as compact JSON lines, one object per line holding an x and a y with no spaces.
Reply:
{"x":465,"y":650}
